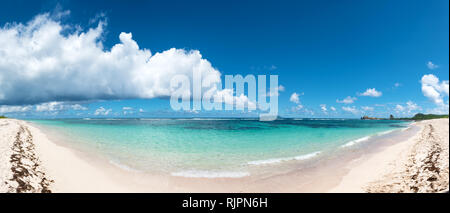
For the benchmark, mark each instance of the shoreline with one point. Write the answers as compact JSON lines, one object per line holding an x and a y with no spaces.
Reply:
{"x":419,"y":164}
{"x":74,"y":171}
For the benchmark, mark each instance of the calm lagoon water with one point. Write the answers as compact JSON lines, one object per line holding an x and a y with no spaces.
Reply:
{"x":214,"y":147}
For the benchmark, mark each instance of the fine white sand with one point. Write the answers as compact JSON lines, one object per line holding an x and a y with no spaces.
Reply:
{"x":20,"y":167}
{"x":70,"y":172}
{"x":418,"y":164}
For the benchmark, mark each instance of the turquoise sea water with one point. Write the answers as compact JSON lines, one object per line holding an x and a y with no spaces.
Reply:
{"x":214,"y":147}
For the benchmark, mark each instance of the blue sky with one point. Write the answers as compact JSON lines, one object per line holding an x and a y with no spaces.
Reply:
{"x":324,"y":51}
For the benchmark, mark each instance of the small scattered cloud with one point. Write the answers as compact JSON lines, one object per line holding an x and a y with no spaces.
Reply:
{"x":226,"y":96}
{"x":265,"y":67}
{"x":127,"y":110}
{"x":347,"y":100}
{"x":442,"y":109}
{"x":399,"y":108}
{"x":14,"y":109}
{"x":272,"y":67}
{"x":276,"y":91}
{"x":371,"y":92}
{"x":78,"y":107}
{"x":102,"y":111}
{"x":59,"y":106}
{"x":50,"y":107}
{"x":407,"y":109}
{"x":367,"y":108}
{"x":192,"y":111}
{"x":309,"y":112}
{"x":397,"y":84}
{"x":297,"y":108}
{"x":295,"y":98}
{"x":431,"y":65}
{"x":412,"y":106}
{"x":351,"y":109}
{"x":333,"y":109}
{"x":324,"y":109}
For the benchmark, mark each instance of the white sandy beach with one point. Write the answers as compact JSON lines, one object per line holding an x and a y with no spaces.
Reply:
{"x":419,"y":164}
{"x":30,"y":162}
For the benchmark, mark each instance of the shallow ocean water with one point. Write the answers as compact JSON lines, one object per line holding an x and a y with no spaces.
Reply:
{"x":214,"y":147}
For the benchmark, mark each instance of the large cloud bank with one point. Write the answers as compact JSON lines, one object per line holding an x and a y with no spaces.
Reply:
{"x":42,"y":61}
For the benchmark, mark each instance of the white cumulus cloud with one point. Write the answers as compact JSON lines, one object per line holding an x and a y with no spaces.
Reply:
{"x":78,"y":107}
{"x":443,"y":109}
{"x":434,"y":89}
{"x":102,"y":111}
{"x":351,"y":109}
{"x":347,"y":100}
{"x":50,"y":107}
{"x":399,"y":108}
{"x":14,"y":109}
{"x":276,"y":91}
{"x":371,"y":92}
{"x":431,"y":65}
{"x":407,"y":109}
{"x":53,"y":107}
{"x":323,"y":107}
{"x":297,"y":108}
{"x":367,"y":108}
{"x":295,"y":98}
{"x":412,"y":106}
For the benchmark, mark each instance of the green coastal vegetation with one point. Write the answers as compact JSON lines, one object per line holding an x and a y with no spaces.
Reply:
{"x":421,"y":116}
{"x":416,"y":117}
{"x":1,"y":116}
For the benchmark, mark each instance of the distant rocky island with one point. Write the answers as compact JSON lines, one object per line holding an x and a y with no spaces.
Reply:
{"x":372,"y":118}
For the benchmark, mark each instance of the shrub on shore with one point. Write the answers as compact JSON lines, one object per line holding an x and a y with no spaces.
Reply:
{"x":1,"y":116}
{"x":421,"y":116}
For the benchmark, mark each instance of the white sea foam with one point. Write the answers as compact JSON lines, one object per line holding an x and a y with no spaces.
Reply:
{"x":408,"y":127}
{"x":218,"y":119}
{"x":210,"y":174}
{"x":154,"y":119}
{"x":385,"y":132}
{"x":279,"y":160}
{"x":307,"y":156}
{"x":122,"y":166}
{"x":321,"y":119}
{"x":359,"y":140}
{"x":269,"y":161}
